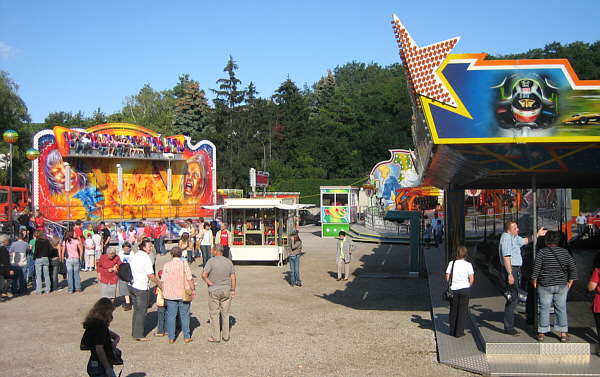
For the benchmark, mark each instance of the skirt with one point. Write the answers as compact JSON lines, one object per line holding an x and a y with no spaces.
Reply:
{"x":108,"y":290}
{"x":123,"y":291}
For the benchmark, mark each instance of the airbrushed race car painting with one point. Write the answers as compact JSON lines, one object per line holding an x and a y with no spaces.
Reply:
{"x":582,"y":119}
{"x":530,"y":101}
{"x":500,"y":101}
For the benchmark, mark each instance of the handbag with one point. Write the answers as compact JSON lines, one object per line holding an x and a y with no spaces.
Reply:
{"x":187,"y":292}
{"x":448,"y":295}
{"x":115,"y":357}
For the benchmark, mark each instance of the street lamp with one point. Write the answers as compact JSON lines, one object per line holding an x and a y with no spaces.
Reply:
{"x":11,"y":137}
{"x":264,"y":151}
{"x":68,"y":191}
{"x":120,"y":189}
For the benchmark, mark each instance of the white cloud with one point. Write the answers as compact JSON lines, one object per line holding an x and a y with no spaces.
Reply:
{"x":7,"y":52}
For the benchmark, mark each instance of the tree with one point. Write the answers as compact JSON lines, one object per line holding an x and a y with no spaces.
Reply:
{"x":14,"y":115}
{"x":293,"y":115}
{"x":148,"y":108}
{"x":226,"y":133}
{"x":190,"y":112}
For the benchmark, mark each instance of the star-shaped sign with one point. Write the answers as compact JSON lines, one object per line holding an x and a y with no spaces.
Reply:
{"x":422,"y":64}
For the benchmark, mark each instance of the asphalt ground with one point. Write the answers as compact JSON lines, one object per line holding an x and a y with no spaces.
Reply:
{"x":368,"y":326}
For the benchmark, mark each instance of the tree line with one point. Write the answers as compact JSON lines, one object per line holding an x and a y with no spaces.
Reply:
{"x":337,"y":128}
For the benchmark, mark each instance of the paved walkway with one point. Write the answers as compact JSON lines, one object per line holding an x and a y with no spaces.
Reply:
{"x":486,"y":349}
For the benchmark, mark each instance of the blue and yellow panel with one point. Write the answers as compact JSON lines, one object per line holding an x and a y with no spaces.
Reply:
{"x":468,"y":100}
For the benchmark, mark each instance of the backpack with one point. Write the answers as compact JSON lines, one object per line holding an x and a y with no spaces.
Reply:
{"x":124,"y":273}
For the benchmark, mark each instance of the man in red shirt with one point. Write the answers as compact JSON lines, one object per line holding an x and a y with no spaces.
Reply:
{"x":225,"y":238}
{"x":79,"y":231}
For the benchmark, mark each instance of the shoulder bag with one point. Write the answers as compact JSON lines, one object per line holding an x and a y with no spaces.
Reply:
{"x":448,"y":295}
{"x":187,"y":292}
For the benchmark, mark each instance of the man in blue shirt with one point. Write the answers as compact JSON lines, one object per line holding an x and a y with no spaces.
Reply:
{"x":511,"y":260}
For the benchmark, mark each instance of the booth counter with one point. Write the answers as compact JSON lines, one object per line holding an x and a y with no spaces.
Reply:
{"x":260,"y":227}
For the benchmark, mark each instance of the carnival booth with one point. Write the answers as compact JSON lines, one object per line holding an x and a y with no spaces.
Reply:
{"x":338,"y":209}
{"x":260,"y":227}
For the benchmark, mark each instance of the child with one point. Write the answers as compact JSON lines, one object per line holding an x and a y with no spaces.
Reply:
{"x":162,"y":311}
{"x":427,"y":235}
{"x":97,"y":238}
{"x":90,"y":253}
{"x":125,"y":255}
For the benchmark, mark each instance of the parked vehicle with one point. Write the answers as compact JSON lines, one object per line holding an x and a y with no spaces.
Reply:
{"x":306,"y":217}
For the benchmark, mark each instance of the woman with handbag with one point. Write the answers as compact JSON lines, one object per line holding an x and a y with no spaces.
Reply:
{"x":594,"y":288}
{"x":178,"y":291}
{"x":463,"y":276}
{"x":100,"y":340}
{"x":108,"y":265}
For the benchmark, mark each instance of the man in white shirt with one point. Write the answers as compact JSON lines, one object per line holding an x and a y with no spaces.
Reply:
{"x":581,"y":221}
{"x":139,"y":288}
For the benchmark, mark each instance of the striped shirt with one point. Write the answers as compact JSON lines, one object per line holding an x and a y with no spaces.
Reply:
{"x":554,"y":266}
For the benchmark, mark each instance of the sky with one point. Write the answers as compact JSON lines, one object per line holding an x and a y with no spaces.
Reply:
{"x":74,"y":55}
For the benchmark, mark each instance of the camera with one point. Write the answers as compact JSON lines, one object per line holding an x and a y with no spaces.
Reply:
{"x":511,"y":293}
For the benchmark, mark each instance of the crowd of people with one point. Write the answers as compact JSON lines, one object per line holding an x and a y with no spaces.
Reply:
{"x":87,"y":249}
{"x":121,"y":145}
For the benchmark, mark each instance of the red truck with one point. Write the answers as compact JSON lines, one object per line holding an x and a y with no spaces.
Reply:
{"x":594,"y":219}
{"x":20,"y":199}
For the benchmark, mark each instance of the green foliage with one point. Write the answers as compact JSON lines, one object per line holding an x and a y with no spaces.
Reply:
{"x":149,"y":108}
{"x":190,"y":111}
{"x":309,"y":188}
{"x":14,"y":116}
{"x":589,"y":198}
{"x":584,"y":57}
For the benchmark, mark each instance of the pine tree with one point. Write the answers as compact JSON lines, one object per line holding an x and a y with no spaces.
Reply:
{"x":190,"y":112}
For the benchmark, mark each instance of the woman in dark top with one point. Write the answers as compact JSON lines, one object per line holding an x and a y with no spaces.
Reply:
{"x":41,"y":256}
{"x":5,"y":270}
{"x":99,"y":339}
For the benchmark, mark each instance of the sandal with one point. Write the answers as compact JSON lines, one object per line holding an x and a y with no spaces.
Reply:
{"x":540,"y":337}
{"x":212,"y":340}
{"x":565,"y":337}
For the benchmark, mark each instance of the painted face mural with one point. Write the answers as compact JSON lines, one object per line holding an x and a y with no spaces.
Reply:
{"x":194,"y":179}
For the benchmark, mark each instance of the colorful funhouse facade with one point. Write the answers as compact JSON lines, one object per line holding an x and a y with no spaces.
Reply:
{"x":161,"y":176}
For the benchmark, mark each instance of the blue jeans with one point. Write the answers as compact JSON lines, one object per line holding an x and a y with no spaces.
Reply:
{"x":510,"y":306}
{"x":95,"y":369}
{"x":162,"y":319}
{"x":42,"y":266}
{"x":161,"y":245}
{"x":30,"y":266}
{"x":73,"y":278}
{"x":558,"y":294}
{"x":295,"y":269}
{"x":205,"y":254}
{"x":19,"y":277}
{"x":184,"y":317}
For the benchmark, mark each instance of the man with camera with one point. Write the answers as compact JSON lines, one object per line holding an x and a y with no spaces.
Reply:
{"x":511,"y":260}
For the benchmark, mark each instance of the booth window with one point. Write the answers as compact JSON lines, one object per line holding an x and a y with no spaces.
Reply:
{"x":254,"y":239}
{"x":328,"y":199}
{"x":341,"y":200}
